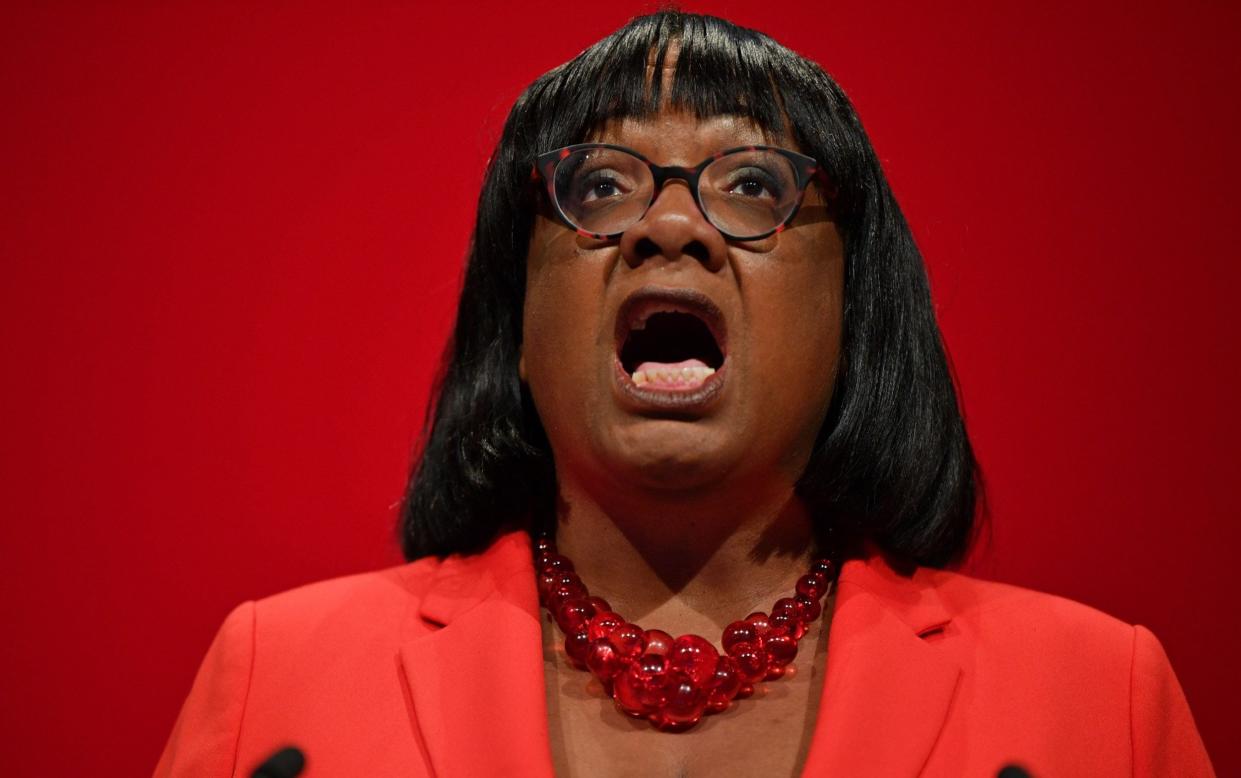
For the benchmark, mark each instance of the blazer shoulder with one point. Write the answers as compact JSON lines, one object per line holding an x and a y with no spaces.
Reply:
{"x":1001,"y":607}
{"x":927,"y":597}
{"x":360,"y":600}
{"x":1091,"y":662}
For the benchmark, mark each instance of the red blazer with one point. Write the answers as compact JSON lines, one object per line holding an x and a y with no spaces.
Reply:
{"x":435,"y":668}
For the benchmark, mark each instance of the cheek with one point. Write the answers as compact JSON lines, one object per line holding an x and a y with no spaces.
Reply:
{"x":796,"y":311}
{"x":797,"y":362}
{"x":560,"y":329}
{"x":543,"y":328}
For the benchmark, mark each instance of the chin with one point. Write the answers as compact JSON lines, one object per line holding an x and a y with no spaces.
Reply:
{"x":668,"y":457}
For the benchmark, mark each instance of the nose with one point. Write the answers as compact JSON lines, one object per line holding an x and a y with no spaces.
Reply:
{"x":672,"y":228}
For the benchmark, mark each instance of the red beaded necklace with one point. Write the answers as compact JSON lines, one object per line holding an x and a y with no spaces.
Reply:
{"x":673,"y":682}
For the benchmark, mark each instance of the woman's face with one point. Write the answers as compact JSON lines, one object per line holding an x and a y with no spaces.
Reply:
{"x":671,"y":293}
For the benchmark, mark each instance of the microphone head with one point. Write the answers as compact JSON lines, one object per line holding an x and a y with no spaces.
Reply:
{"x":285,"y":763}
{"x":1013,"y":771}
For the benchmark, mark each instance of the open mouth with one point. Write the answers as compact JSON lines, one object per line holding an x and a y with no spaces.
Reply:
{"x":670,"y":340}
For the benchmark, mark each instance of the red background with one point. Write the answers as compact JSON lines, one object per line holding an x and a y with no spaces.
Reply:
{"x":232,"y":237}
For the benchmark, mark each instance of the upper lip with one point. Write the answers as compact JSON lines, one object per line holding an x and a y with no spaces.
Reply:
{"x":647,"y":300}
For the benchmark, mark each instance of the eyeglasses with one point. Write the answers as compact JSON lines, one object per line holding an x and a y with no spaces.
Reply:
{"x":747,"y":193}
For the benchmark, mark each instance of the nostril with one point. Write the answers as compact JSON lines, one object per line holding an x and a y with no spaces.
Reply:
{"x":697,"y":250}
{"x":645,"y":248}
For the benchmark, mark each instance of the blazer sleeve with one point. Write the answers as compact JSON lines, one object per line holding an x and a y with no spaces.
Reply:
{"x":204,"y":740}
{"x":1165,"y":740}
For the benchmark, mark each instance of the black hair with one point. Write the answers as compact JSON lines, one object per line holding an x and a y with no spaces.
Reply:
{"x":892,"y":461}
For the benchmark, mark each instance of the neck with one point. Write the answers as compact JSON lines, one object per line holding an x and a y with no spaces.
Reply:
{"x":686,"y":562}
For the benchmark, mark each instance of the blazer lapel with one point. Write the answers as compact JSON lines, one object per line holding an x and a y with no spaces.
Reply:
{"x":887,"y":690}
{"x":479,"y":707}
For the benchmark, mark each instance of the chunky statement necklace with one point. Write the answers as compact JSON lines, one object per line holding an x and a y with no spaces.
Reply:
{"x":673,"y":682}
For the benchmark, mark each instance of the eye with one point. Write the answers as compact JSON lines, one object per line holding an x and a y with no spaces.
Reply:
{"x":755,"y":183}
{"x":750,"y":187}
{"x":600,"y":184}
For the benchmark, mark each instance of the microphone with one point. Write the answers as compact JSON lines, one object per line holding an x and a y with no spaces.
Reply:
{"x":285,"y":763}
{"x":1013,"y":771}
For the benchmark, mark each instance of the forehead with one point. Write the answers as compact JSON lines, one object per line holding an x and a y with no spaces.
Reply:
{"x":676,"y":137}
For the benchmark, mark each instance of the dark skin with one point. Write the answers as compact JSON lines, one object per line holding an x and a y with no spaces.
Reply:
{"x":685,"y":522}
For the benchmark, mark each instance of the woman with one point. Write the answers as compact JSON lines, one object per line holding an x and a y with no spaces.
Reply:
{"x":695,"y":372}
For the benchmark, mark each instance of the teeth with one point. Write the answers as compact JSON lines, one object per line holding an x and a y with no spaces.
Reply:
{"x":682,"y":376}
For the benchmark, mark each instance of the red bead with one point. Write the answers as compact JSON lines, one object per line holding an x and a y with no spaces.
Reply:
{"x":576,"y":646}
{"x":568,"y":578}
{"x":761,"y":622}
{"x":658,"y":641}
{"x":824,"y":566}
{"x":550,"y":561}
{"x":545,"y":583}
{"x":602,"y":624}
{"x":746,"y":690}
{"x":599,"y":604}
{"x":738,"y":632}
{"x":683,"y":707}
{"x":552,"y":580}
{"x":751,"y":662}
{"x":543,"y":543}
{"x":643,"y":687}
{"x":693,"y":656}
{"x":625,"y":693}
{"x":656,"y":679}
{"x":573,"y":615}
{"x":773,"y":673}
{"x":789,"y":606}
{"x":781,"y":649}
{"x":812,"y":585}
{"x":629,"y":640}
{"x":723,"y":685}
{"x":787,"y":624}
{"x":564,"y":592}
{"x":811,"y":608}
{"x":603,"y":660}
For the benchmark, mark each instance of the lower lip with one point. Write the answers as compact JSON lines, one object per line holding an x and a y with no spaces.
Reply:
{"x":690,"y":400}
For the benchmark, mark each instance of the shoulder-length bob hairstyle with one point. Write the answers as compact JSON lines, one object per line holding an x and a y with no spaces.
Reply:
{"x":892,"y":462}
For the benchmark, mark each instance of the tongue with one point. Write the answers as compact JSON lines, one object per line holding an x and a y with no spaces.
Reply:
{"x":650,"y":366}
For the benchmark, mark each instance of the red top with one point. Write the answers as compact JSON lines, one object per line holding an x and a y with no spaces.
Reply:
{"x":435,"y":668}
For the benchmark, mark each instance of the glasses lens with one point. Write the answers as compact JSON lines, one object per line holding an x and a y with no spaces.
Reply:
{"x":749,"y":193}
{"x":603,"y":191}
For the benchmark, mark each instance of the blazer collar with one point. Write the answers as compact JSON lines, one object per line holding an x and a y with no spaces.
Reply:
{"x":481,"y":711}
{"x":887,"y":688}
{"x":479,"y":707}
{"x":504,"y":571}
